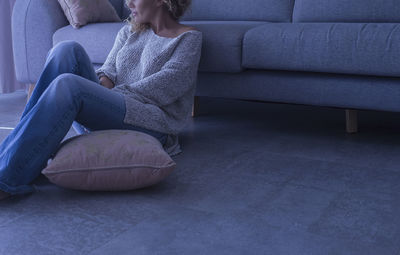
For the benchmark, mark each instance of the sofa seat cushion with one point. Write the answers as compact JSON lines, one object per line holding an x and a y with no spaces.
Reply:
{"x":221,"y":50}
{"x":353,"y":48}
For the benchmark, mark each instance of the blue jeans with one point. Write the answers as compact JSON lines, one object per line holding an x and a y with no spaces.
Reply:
{"x":68,"y":92}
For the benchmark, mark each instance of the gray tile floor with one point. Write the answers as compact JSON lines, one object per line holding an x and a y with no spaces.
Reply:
{"x":253,"y":178}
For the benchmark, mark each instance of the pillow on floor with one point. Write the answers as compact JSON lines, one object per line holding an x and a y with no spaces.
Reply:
{"x":82,"y":12}
{"x":107,"y":160}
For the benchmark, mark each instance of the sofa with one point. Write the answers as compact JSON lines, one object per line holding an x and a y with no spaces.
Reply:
{"x":333,"y":53}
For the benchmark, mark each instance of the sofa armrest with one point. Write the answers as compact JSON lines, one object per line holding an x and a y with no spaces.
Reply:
{"x":33,"y":25}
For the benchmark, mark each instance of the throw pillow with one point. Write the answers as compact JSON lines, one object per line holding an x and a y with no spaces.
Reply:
{"x":82,"y":12}
{"x":107,"y":160}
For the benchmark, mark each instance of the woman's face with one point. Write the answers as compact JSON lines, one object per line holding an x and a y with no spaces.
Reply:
{"x":142,"y":10}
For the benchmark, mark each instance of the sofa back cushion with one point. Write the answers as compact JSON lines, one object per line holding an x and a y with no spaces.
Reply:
{"x":255,"y":10}
{"x":346,"y":11}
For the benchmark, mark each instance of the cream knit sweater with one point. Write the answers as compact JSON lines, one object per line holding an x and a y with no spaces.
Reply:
{"x":157,"y":76}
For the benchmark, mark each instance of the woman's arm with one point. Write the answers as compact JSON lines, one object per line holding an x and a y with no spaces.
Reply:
{"x":108,"y":68}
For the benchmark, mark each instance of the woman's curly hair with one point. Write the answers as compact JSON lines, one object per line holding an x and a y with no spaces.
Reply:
{"x":176,"y":9}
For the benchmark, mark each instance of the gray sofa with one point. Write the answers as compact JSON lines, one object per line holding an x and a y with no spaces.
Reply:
{"x":334,"y":53}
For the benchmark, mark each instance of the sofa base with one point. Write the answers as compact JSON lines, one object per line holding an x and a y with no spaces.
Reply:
{"x":351,"y":114}
{"x":351,"y":121}
{"x":30,"y":90}
{"x":195,"y":107}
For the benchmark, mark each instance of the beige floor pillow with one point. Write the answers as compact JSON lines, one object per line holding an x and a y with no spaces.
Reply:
{"x":107,"y":160}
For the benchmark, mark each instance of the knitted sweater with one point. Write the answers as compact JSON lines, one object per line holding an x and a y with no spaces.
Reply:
{"x":157,"y":76}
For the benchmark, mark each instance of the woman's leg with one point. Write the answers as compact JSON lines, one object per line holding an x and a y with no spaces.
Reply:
{"x":45,"y":122}
{"x":65,"y":57}
{"x":36,"y":137}
{"x":69,"y":97}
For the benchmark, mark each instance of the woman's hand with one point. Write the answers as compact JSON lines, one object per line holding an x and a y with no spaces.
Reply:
{"x":106,"y":82}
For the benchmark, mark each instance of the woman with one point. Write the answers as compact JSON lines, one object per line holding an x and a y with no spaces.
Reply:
{"x":147,"y":83}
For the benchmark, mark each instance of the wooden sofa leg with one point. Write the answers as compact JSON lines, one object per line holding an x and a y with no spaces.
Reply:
{"x":195,"y":107}
{"x":351,"y":121}
{"x":30,"y":90}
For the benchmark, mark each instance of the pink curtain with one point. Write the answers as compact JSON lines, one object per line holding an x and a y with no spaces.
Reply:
{"x":8,"y":81}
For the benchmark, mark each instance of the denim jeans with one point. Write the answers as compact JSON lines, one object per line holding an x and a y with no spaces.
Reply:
{"x":67,"y":93}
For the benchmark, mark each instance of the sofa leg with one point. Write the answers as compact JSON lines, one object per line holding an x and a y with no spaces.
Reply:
{"x":351,"y":121}
{"x":30,"y":90}
{"x":195,"y":107}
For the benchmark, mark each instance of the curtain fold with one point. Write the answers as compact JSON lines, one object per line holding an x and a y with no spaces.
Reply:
{"x":8,"y":81}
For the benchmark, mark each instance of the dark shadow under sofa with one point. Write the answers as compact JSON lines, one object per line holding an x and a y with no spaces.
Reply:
{"x":333,"y":53}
